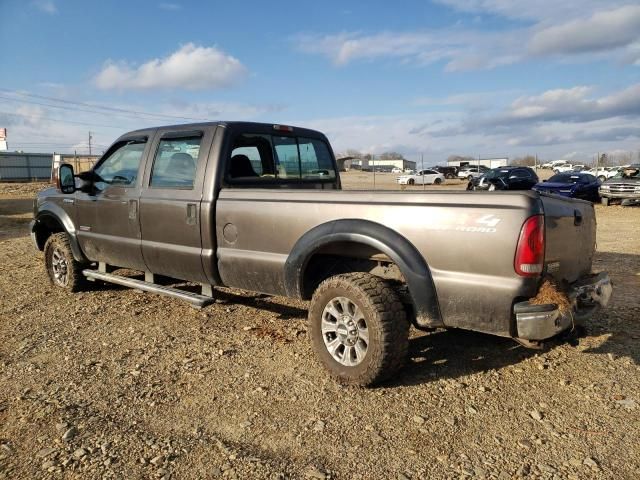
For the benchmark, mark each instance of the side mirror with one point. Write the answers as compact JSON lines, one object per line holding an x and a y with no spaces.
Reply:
{"x":66,"y":178}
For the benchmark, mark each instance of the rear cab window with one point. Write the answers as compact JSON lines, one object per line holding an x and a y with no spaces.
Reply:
{"x":277,"y":159}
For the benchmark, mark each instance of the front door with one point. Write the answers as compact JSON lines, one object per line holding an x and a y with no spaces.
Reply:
{"x":170,"y":203}
{"x":108,"y":217}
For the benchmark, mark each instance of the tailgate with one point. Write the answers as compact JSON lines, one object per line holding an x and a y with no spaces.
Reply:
{"x":570,"y":244}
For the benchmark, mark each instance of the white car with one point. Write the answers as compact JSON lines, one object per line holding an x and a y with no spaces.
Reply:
{"x":565,"y":167}
{"x":423,"y":177}
{"x":552,"y":165}
{"x":472,"y":171}
{"x":396,"y":170}
{"x":603,"y":173}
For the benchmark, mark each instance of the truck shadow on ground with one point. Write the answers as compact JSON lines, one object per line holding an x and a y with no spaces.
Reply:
{"x":613,"y":333}
{"x":456,"y":353}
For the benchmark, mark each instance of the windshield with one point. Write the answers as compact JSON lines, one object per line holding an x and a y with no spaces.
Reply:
{"x":630,"y":172}
{"x":565,"y":178}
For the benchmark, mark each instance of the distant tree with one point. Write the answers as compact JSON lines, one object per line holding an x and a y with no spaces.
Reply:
{"x":353,"y":153}
{"x":390,"y":156}
{"x":526,"y":161}
{"x":603,"y":160}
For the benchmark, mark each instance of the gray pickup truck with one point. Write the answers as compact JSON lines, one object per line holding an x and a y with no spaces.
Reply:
{"x":260,"y":207}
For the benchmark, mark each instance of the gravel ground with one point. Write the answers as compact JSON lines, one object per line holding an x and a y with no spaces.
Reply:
{"x":115,"y":383}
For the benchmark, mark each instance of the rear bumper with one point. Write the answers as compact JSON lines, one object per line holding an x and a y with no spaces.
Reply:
{"x":539,"y":322}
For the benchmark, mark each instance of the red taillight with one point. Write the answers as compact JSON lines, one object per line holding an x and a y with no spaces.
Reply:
{"x":529,"y":259}
{"x":283,"y":128}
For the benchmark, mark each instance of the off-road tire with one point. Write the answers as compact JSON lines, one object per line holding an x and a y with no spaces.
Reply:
{"x":386,"y":322}
{"x":604,"y":201}
{"x":449,"y":176}
{"x":74,"y":281}
{"x":437,"y":181}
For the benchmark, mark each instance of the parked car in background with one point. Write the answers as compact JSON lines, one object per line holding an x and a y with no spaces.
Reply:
{"x":472,"y":171}
{"x":574,"y":185}
{"x":553,"y":164}
{"x":603,"y":173}
{"x":448,"y":172}
{"x":396,"y":170}
{"x":625,"y":185}
{"x":565,"y":167}
{"x":422,"y":177}
{"x":505,"y":178}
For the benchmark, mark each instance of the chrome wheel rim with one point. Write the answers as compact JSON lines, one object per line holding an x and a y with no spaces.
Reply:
{"x":345,"y":332}
{"x":59,"y":267}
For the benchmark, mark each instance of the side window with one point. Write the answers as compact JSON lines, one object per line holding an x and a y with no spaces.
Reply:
{"x":121,"y":166}
{"x":175,"y":163}
{"x":251,"y":158}
{"x":521,"y":173}
{"x":315,"y":159}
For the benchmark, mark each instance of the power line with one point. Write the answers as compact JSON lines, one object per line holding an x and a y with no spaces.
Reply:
{"x":102,"y":107}
{"x":26,"y":115}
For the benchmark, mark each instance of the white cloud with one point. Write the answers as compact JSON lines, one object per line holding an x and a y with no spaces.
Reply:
{"x":169,"y":6}
{"x":568,"y":29}
{"x":190,"y":67}
{"x":601,"y":31}
{"x":46,"y":6}
{"x":460,"y":49}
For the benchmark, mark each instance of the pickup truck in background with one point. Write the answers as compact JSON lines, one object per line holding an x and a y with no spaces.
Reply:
{"x":260,"y":207}
{"x":624,"y":185}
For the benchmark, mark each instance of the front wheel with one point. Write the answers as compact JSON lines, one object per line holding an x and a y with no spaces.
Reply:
{"x":359,"y":328}
{"x":437,"y":181}
{"x":411,"y":181}
{"x":602,"y":178}
{"x":470,"y":177}
{"x":64,"y":271}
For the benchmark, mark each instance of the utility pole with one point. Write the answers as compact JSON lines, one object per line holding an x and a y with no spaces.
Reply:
{"x":422,"y":167}
{"x":90,"y":137}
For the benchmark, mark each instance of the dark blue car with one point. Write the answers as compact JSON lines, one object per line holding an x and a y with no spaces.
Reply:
{"x":571,"y":184}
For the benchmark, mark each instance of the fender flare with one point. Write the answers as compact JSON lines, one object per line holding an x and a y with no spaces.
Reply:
{"x":52,"y":210}
{"x":401,"y":251}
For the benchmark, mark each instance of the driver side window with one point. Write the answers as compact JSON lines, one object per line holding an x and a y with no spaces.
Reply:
{"x":121,"y":166}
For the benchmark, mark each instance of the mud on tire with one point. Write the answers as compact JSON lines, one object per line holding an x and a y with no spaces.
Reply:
{"x":63,"y":270}
{"x":387,"y":327}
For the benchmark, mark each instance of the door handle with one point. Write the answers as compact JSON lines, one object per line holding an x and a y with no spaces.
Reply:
{"x":577,"y":217}
{"x":133,"y":209}
{"x":192,"y":214}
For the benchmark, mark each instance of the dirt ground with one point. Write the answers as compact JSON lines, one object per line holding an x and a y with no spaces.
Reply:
{"x":116,"y":383}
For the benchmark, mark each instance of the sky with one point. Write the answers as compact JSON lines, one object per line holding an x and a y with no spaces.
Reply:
{"x":433,"y":78}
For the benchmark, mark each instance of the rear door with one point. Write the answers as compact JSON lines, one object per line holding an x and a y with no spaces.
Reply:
{"x":170,"y":202}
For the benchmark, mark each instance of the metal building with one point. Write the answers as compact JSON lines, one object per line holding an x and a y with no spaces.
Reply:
{"x":25,"y":167}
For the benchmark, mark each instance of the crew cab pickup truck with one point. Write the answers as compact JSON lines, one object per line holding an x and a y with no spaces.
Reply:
{"x":260,"y":207}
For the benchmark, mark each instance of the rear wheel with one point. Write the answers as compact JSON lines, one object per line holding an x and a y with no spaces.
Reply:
{"x":437,"y":181}
{"x":470,"y":177}
{"x":359,"y":328}
{"x":64,"y":271}
{"x":449,"y":176}
{"x":604,"y":201}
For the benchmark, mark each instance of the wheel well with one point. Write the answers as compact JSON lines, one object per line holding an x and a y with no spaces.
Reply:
{"x":46,"y":226}
{"x":346,"y":257}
